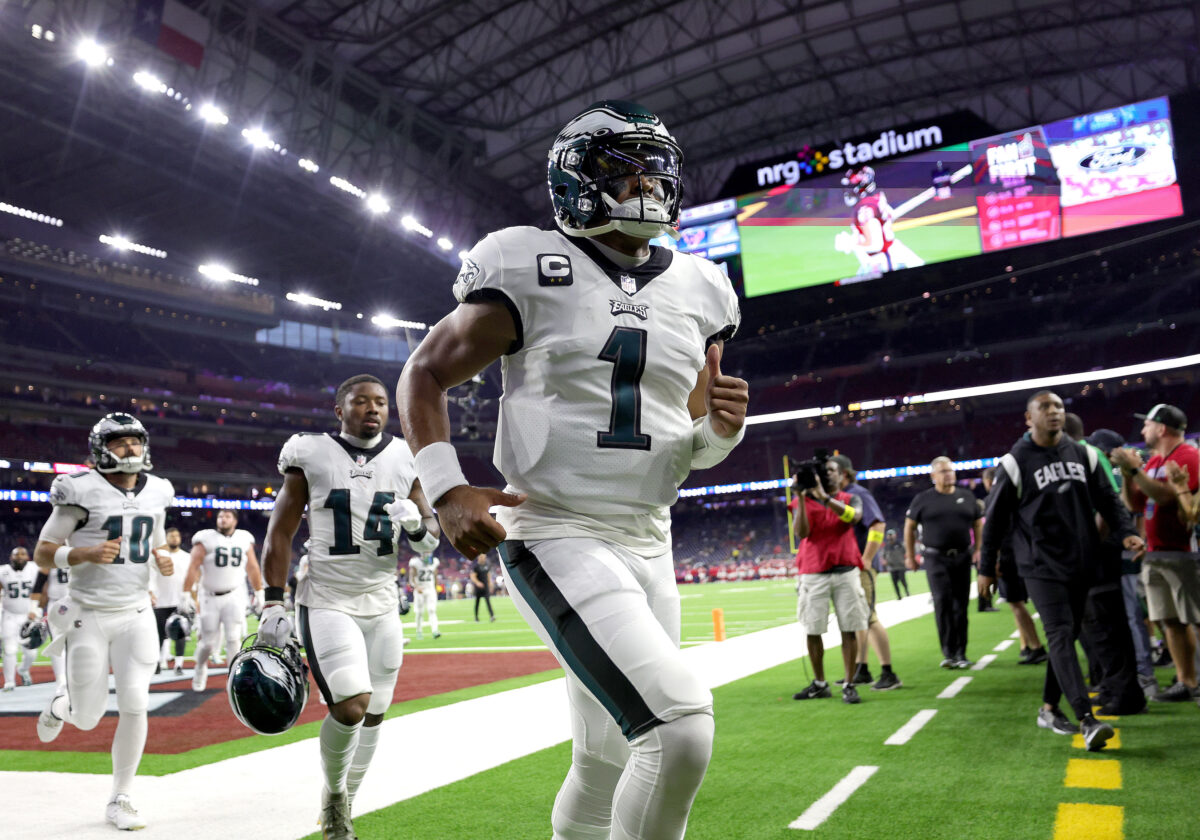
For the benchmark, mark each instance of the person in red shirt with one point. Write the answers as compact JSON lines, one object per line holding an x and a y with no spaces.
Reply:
{"x":828,"y":560}
{"x":1169,"y":572}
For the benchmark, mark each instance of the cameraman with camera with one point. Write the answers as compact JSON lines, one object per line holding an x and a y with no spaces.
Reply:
{"x":828,"y":561}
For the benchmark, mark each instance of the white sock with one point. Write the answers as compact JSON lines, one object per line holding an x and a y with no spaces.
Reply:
{"x":433,"y":621}
{"x":368,"y":737}
{"x":128,"y":743}
{"x":60,"y":707}
{"x":338,"y":742}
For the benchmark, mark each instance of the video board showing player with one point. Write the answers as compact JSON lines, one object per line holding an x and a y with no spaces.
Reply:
{"x":860,"y":222}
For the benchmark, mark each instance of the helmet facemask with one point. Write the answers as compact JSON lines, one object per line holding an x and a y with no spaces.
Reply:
{"x":113,"y":427}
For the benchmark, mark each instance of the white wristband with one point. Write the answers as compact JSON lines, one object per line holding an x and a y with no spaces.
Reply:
{"x":709,"y":448}
{"x":62,"y":557}
{"x":438,"y":470}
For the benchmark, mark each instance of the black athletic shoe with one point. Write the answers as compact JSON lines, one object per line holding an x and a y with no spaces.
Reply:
{"x":1162,"y":658}
{"x":850,"y":695}
{"x":862,"y":675}
{"x":1117,"y":708}
{"x":814,"y":691}
{"x":1033,"y":656}
{"x":1096,"y":733}
{"x":887,"y":681}
{"x":1056,"y":722}
{"x":1175,"y":693}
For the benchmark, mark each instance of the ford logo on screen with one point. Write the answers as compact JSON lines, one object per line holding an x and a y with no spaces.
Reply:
{"x":1112,"y":157}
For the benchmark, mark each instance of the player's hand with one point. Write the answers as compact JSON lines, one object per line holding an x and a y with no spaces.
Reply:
{"x":102,"y":553}
{"x":166,"y":566}
{"x":256,"y":602}
{"x":725,"y":397}
{"x":275,"y":628}
{"x":406,"y":514}
{"x":985,"y":584}
{"x":1134,"y":543}
{"x":34,"y":615}
{"x":187,"y":606}
{"x":466,"y":522}
{"x":975,"y":558}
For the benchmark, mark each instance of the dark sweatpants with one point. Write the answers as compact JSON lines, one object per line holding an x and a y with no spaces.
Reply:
{"x":899,"y":580}
{"x":1107,"y":628}
{"x":1061,"y":607}
{"x":484,"y":596}
{"x":950,"y":582}
{"x":161,"y":614}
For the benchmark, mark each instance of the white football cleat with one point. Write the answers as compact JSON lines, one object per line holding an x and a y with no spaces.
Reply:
{"x":200,"y":676}
{"x":26,"y":677}
{"x":123,"y":815}
{"x":335,"y":817}
{"x":50,"y":725}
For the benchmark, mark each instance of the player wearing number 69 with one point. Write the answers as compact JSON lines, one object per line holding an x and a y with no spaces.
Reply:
{"x":613,"y":392}
{"x":222,"y":559}
{"x":361,"y":489}
{"x":106,"y":525}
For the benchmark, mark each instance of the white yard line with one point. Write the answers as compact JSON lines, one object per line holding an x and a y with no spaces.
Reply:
{"x":984,"y":661}
{"x":952,"y":690}
{"x":906,"y":732}
{"x":824,"y":807}
{"x":1003,"y":645}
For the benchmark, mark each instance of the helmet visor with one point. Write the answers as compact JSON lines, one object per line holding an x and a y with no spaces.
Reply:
{"x":628,"y":158}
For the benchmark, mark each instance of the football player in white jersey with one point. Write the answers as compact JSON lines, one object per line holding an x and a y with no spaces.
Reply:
{"x":166,"y":591}
{"x":17,"y":580}
{"x":222,"y":559}
{"x":612,"y":392}
{"x":360,"y":487}
{"x":422,"y":574}
{"x":50,"y":587}
{"x":106,"y":525}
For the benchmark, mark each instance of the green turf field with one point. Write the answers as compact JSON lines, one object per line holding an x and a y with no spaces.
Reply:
{"x":779,"y":258}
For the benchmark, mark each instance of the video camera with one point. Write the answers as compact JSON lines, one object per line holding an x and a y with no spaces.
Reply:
{"x":811,"y":471}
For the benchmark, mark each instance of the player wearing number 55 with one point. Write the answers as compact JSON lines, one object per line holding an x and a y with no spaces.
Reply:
{"x":106,"y":525}
{"x":613,"y":392}
{"x":362,"y":494}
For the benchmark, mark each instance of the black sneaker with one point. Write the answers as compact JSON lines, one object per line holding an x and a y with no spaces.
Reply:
{"x":1035,"y":656}
{"x":1096,"y":733}
{"x":814,"y":691}
{"x":887,"y":681}
{"x":1162,"y":657}
{"x":862,"y":675}
{"x":1057,"y":722}
{"x":850,"y":695}
{"x":1175,"y":693}
{"x":1117,"y":708}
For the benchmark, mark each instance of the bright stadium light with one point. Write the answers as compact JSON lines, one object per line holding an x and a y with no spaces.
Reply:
{"x":309,"y":300}
{"x":259,"y":139}
{"x":215,"y":271}
{"x":148,"y":81}
{"x":377,"y":204}
{"x":32,"y":215}
{"x":445,"y":244}
{"x":123,"y":244}
{"x":213,"y":115}
{"x":345,"y":186}
{"x":92,"y":54}
{"x":412,"y":224}
{"x":388,"y":321}
{"x":308,"y":165}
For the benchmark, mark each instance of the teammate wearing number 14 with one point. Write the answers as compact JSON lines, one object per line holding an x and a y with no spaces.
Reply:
{"x":362,"y":494}
{"x":106,"y":525}
{"x":612,"y":392}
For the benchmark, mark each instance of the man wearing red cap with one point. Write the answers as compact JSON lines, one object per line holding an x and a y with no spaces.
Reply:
{"x":1169,"y":571}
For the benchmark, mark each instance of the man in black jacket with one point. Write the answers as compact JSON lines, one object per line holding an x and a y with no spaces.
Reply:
{"x":1046,"y":493}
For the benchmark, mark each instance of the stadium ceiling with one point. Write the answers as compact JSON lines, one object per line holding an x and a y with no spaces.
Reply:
{"x":449,"y":105}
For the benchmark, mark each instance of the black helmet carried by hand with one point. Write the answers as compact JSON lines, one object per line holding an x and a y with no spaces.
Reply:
{"x":268,"y":687}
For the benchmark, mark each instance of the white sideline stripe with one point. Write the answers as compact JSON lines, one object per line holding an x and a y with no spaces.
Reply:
{"x":1004,"y":645}
{"x":824,"y":807}
{"x":236,"y":804}
{"x":905,"y":733}
{"x":983,"y":662}
{"x":1015,"y":635}
{"x":954,"y":687}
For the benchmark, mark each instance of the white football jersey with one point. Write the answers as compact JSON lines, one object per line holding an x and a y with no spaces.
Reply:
{"x":107,"y":512}
{"x":352,"y":557}
{"x":594,"y":417}
{"x":57,"y":583}
{"x":225,"y":557}
{"x":18,"y":587}
{"x":423,"y":575}
{"x":167,"y":589}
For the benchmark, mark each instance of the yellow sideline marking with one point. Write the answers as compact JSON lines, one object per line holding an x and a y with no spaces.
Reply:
{"x":934,"y":218}
{"x":1098,"y":716}
{"x":1114,"y":743}
{"x":1092,"y":773}
{"x":1077,"y":821}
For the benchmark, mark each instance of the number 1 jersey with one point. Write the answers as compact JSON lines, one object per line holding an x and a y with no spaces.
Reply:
{"x":352,"y":552}
{"x":594,"y":419}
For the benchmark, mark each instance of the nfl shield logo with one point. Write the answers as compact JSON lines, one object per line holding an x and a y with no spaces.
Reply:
{"x":628,"y":284}
{"x":360,"y":459}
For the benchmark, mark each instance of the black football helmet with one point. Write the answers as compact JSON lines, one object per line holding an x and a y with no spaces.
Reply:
{"x":179,"y":627}
{"x":34,"y":633}
{"x":267,"y":687}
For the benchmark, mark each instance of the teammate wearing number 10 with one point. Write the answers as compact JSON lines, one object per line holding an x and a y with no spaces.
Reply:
{"x":612,"y":393}
{"x":105,"y":526}
{"x":362,"y":494}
